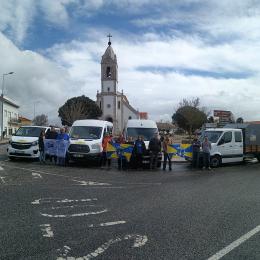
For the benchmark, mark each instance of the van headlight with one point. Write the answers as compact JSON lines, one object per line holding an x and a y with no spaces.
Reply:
{"x":95,"y":147}
{"x":34,"y":143}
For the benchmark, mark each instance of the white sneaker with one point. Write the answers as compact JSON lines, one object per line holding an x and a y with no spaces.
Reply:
{"x":209,"y":168}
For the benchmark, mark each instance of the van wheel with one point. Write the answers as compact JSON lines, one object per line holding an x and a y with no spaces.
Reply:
{"x":11,"y":158}
{"x":215,"y":161}
{"x":258,"y":157}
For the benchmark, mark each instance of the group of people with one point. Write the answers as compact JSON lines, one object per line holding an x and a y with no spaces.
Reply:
{"x":54,"y":135}
{"x":156,"y":145}
{"x":197,"y":146}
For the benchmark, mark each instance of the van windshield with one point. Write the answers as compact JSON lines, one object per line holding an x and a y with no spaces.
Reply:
{"x":213,"y":136}
{"x":29,"y":131}
{"x":86,"y":132}
{"x":146,"y":133}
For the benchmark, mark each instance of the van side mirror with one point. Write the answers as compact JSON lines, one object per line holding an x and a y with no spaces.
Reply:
{"x":221,"y":141}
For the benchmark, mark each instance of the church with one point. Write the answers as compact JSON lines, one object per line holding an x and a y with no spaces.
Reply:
{"x":114,"y":104}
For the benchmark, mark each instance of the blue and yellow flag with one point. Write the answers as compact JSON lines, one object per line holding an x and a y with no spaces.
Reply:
{"x":115,"y":151}
{"x":180,"y":150}
{"x":112,"y":150}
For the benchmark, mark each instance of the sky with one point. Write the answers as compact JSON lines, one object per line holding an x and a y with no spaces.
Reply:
{"x":167,"y":50}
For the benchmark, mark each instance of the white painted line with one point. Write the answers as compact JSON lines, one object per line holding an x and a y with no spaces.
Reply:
{"x":74,"y":215}
{"x":64,"y":251}
{"x":107,"y":224}
{"x":74,"y":206}
{"x":46,"y":229}
{"x":2,"y":179}
{"x":36,"y":175}
{"x":56,"y":200}
{"x":235,"y":244}
{"x":1,"y":168}
{"x":139,"y":241}
{"x":91,"y":183}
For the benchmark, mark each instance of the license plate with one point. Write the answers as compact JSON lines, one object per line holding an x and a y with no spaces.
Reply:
{"x":78,"y":155}
{"x":19,"y":151}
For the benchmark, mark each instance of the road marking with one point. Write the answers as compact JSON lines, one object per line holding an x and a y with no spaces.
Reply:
{"x":107,"y":224}
{"x":91,"y":183}
{"x":235,"y":244}
{"x":2,"y":180}
{"x":74,"y":215}
{"x":139,"y":241}
{"x":1,"y":168}
{"x":46,"y":229}
{"x":73,"y":206}
{"x":36,"y":175}
{"x":57,"y":200}
{"x":64,"y":251}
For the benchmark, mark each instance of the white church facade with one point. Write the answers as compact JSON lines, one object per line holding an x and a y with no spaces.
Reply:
{"x":114,"y":104}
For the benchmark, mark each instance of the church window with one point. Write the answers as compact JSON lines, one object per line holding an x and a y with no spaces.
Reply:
{"x":129,"y":117}
{"x":108,"y":89}
{"x":108,"y":72}
{"x":100,"y":104}
{"x":108,"y":105}
{"x":118,"y":104}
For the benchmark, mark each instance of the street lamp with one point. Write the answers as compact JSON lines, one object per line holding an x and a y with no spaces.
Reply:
{"x":2,"y":98}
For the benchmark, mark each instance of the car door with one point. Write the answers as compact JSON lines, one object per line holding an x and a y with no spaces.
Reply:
{"x":238,"y":146}
{"x":225,"y":147}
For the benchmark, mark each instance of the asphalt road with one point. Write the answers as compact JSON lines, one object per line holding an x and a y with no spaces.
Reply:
{"x":51,"y":212}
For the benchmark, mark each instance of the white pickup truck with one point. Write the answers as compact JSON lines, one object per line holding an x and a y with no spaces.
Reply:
{"x":233,"y":144}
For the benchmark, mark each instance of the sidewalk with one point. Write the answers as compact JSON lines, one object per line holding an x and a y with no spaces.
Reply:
{"x":4,"y":141}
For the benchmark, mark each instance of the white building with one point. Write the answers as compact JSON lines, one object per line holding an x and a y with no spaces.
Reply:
{"x":10,"y":117}
{"x":114,"y":104}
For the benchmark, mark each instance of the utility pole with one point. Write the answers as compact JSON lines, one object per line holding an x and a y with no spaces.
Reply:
{"x":2,"y":99}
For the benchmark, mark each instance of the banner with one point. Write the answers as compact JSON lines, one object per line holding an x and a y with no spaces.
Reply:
{"x":55,"y":147}
{"x":115,"y":151}
{"x":50,"y":147}
{"x":61,"y":148}
{"x":180,"y":150}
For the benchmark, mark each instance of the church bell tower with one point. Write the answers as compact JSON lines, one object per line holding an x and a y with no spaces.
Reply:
{"x":107,"y":99}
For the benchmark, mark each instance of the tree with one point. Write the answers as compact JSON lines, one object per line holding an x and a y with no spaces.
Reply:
{"x":189,"y":116}
{"x":240,"y":120}
{"x":41,"y":120}
{"x":77,"y":108}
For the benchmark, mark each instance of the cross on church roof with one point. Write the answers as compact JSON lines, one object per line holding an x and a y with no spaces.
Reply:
{"x":109,"y":36}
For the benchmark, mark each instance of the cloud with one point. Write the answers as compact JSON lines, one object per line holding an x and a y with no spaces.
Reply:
{"x":35,"y":79}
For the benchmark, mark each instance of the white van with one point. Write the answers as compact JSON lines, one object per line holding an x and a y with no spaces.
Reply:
{"x":227,"y":145}
{"x":86,"y":138}
{"x":145,"y":128}
{"x":24,"y":143}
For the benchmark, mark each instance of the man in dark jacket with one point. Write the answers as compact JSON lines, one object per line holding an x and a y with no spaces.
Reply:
{"x":195,"y":152}
{"x":51,"y":134}
{"x":139,"y":151}
{"x":154,"y":148}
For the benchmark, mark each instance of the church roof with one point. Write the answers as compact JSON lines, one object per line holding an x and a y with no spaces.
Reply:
{"x":109,"y":53}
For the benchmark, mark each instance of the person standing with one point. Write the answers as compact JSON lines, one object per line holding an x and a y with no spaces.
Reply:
{"x":154,"y":148}
{"x":139,"y":151}
{"x":41,"y":146}
{"x":166,"y":155}
{"x":51,"y":134}
{"x":206,"y":147}
{"x":195,"y":152}
{"x":104,"y":160}
{"x":62,"y":136}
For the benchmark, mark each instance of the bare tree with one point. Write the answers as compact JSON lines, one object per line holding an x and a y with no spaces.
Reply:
{"x":41,"y":120}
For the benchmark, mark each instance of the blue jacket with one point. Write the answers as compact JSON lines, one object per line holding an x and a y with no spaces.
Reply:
{"x":63,"y":136}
